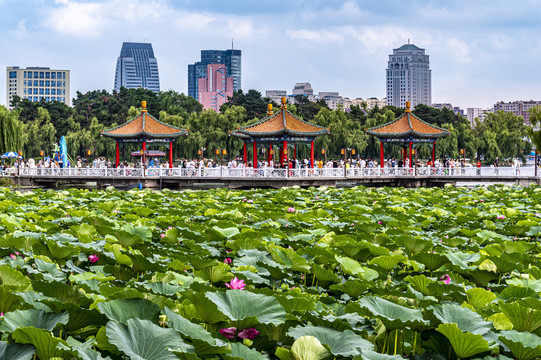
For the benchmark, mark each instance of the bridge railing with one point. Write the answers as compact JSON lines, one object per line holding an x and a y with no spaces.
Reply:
{"x":225,"y":172}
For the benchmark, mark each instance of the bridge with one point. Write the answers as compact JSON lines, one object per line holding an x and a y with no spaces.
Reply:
{"x":204,"y":178}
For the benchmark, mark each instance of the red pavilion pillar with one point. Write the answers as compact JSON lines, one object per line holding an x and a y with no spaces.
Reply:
{"x":170,"y":154}
{"x":295,"y":151}
{"x":411,"y":144}
{"x":284,"y":159}
{"x":404,"y":155}
{"x":117,"y":154}
{"x":269,"y":155}
{"x":245,"y":154}
{"x":433,"y":153}
{"x":144,"y":153}
{"x":312,"y":154}
{"x":255,"y":155}
{"x":381,"y":158}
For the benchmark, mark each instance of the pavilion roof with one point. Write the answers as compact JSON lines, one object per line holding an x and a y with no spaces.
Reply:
{"x":408,"y":125}
{"x":280,"y":124}
{"x":144,"y":125}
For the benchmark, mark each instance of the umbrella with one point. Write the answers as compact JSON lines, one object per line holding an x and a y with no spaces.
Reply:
{"x":10,"y":155}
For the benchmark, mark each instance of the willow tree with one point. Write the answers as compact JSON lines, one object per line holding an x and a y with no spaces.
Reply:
{"x":11,"y":131}
{"x":534,"y":132}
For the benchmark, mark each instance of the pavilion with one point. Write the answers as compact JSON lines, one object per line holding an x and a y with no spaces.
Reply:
{"x":142,"y":129}
{"x":407,"y":129}
{"x":280,"y":128}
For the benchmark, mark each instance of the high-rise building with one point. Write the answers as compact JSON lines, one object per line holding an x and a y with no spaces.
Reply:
{"x":230,"y":58}
{"x":137,"y":67}
{"x":409,"y":77}
{"x":215,"y":87}
{"x":37,"y":83}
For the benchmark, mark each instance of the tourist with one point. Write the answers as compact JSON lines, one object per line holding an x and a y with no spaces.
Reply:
{"x":516,"y":165}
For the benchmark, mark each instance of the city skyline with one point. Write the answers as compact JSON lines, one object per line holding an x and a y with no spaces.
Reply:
{"x":480,"y":52}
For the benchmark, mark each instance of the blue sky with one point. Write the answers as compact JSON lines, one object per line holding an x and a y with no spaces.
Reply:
{"x":481,"y":51}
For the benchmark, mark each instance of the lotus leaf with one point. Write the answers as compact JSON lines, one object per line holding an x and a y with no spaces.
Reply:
{"x":16,"y":351}
{"x":464,"y":344}
{"x":393,"y":316}
{"x":341,"y":343}
{"x":248,"y":309}
{"x":523,"y":345}
{"x":309,"y":348}
{"x":144,"y":340}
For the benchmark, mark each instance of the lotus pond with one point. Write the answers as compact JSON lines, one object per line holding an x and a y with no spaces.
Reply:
{"x":290,"y":274}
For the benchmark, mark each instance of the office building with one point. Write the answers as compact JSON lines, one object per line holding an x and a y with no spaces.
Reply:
{"x":137,"y":67}
{"x":476,"y":113}
{"x":409,"y":77}
{"x":303,"y":89}
{"x":215,"y":87}
{"x":276,"y":95}
{"x":37,"y":83}
{"x":230,"y":58}
{"x":519,"y":108}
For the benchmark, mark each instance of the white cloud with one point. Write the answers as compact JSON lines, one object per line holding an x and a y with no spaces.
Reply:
{"x":193,"y":21}
{"x":20,"y":31}
{"x":317,"y":36}
{"x":76,"y":19}
{"x":458,"y":50}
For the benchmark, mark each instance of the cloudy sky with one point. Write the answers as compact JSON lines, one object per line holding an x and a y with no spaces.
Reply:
{"x":481,"y":51}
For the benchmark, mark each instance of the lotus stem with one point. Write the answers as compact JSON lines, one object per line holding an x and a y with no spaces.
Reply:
{"x":313,"y":280}
{"x":395,"y":340}
{"x":384,"y":343}
{"x":414,"y":342}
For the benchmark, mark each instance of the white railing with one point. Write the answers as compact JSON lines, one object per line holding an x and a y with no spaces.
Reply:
{"x":224,"y":172}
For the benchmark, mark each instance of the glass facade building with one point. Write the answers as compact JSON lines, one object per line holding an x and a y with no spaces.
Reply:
{"x":230,"y":58}
{"x":37,"y":84}
{"x":137,"y":67}
{"x":409,"y":77}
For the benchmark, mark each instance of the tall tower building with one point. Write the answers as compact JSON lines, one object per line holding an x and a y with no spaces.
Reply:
{"x":409,"y":77}
{"x":137,"y":67}
{"x":215,"y":87}
{"x":37,"y":84}
{"x":230,"y":58}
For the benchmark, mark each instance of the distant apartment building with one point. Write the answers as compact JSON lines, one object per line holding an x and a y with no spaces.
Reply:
{"x":136,"y":67}
{"x":36,"y":84}
{"x":408,"y":77}
{"x":477,"y":113}
{"x":519,"y":108}
{"x":372,"y":102}
{"x":230,"y":58}
{"x":276,"y":95}
{"x":215,"y":87}
{"x":303,"y":89}
{"x":455,"y":109}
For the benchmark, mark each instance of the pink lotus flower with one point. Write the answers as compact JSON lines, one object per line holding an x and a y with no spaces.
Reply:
{"x":162,"y":235}
{"x":1,"y":314}
{"x":236,"y":284}
{"x":291,"y":209}
{"x":229,"y":332}
{"x":115,"y":211}
{"x":248,"y":333}
{"x":380,"y":222}
{"x":500,"y":217}
{"x":317,"y":197}
{"x":17,"y":253}
{"x":228,"y":251}
{"x":446,"y":279}
{"x":13,"y":256}
{"x":93,"y":258}
{"x":227,"y":261}
{"x":250,"y":201}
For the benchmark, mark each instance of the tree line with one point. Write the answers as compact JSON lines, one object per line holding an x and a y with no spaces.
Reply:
{"x":33,"y":127}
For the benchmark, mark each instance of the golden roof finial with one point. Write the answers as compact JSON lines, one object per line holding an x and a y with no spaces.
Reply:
{"x":144,"y":106}
{"x":284,"y":102}
{"x":269,"y":109}
{"x":408,"y":107}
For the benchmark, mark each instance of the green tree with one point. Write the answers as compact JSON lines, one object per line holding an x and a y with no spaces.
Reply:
{"x":11,"y":131}
{"x":252,"y":101}
{"x":534,"y":131}
{"x":40,"y":134}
